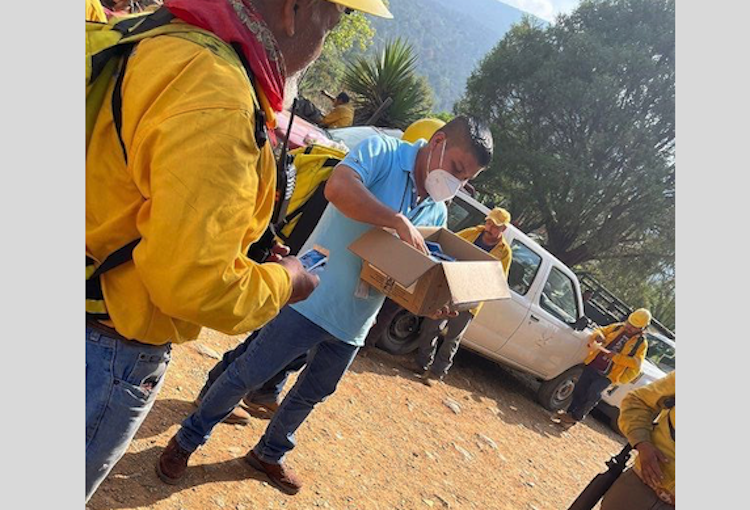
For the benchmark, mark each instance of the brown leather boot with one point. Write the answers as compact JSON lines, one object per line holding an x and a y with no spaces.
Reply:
{"x":279,"y":475}
{"x":173,"y":462}
{"x":238,"y":416}
{"x":262,"y":411}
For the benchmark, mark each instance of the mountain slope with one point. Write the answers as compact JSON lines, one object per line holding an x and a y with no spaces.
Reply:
{"x":450,"y":36}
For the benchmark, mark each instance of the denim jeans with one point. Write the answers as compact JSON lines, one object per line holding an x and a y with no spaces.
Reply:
{"x":428,"y":339}
{"x":587,"y":392}
{"x":280,"y":342}
{"x":270,"y":392}
{"x":122,"y":381}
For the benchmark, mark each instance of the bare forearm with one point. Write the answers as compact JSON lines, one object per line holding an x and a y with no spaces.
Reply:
{"x":345,"y":191}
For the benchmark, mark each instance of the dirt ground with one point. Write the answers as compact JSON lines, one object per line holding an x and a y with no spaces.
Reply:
{"x":383,"y":441}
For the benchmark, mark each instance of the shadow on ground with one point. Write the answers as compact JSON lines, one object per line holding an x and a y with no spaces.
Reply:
{"x":134,"y":483}
{"x":483,"y":380}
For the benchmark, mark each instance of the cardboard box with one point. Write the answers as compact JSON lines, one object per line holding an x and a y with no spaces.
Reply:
{"x":423,"y":285}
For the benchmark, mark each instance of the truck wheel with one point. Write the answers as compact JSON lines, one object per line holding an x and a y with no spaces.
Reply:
{"x":557,"y":393}
{"x":401,"y":334}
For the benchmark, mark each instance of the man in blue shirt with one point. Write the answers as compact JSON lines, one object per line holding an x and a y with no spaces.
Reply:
{"x":383,"y":182}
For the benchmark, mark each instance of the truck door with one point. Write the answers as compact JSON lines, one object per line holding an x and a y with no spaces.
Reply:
{"x":547,"y":342}
{"x":498,"y":320}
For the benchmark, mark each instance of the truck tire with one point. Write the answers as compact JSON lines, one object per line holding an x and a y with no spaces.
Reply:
{"x":557,"y":393}
{"x":401,"y":334}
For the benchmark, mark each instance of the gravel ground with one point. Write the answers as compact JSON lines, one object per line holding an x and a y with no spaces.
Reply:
{"x":384,"y":440}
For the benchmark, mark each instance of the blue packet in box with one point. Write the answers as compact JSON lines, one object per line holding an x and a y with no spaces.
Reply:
{"x":436,"y":252}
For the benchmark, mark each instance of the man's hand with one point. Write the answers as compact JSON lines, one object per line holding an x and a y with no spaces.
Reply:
{"x":651,"y":457}
{"x":278,"y":252}
{"x":303,"y":283}
{"x":408,"y":233}
{"x":444,"y":313}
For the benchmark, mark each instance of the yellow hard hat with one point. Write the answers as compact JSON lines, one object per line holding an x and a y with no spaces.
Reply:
{"x":640,"y":318}
{"x":499,"y":216}
{"x":423,"y":128}
{"x":375,"y":7}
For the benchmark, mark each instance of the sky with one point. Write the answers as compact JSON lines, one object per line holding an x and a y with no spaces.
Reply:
{"x":545,"y":9}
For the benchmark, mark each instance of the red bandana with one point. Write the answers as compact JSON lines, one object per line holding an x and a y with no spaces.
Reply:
{"x":236,"y":21}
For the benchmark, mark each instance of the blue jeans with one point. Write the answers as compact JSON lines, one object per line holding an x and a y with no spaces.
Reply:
{"x":122,"y":381}
{"x":270,"y":392}
{"x":280,"y":342}
{"x":587,"y":392}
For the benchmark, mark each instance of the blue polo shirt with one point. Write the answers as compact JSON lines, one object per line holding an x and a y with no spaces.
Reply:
{"x":386,"y":166}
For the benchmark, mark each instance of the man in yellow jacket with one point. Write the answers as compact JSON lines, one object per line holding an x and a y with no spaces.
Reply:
{"x":191,"y":175}
{"x":650,"y":484}
{"x":432,"y":362}
{"x":342,"y":114}
{"x":615,"y":357}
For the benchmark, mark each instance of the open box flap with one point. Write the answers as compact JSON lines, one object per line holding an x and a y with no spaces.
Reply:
{"x":475,"y":281}
{"x":391,"y":255}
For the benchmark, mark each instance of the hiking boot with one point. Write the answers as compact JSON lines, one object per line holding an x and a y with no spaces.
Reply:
{"x":238,"y":416}
{"x":564,"y":420}
{"x":568,"y":419}
{"x":260,"y":410}
{"x":430,"y":379}
{"x":279,"y":475}
{"x":173,"y":462}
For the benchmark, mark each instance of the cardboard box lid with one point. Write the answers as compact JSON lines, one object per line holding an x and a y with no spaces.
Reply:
{"x":475,"y":281}
{"x":392,"y":256}
{"x":476,"y":277}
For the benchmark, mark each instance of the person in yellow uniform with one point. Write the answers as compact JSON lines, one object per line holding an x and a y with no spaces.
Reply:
{"x":95,"y":11}
{"x":615,"y":357}
{"x":650,"y":484}
{"x":434,"y":363}
{"x":342,"y":114}
{"x":422,"y":129}
{"x":190,"y":177}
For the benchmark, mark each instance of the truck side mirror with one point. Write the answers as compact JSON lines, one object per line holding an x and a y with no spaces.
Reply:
{"x":581,"y":323}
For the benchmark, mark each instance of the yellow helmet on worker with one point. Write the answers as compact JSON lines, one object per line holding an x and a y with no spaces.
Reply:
{"x":640,"y":319}
{"x":374,"y":7}
{"x":498,"y":216}
{"x":423,"y":128}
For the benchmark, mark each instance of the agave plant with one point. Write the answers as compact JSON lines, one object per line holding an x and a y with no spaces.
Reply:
{"x":391,"y":74}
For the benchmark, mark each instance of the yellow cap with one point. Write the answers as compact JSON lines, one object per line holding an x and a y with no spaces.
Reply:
{"x":640,"y":318}
{"x":423,"y":128}
{"x":375,"y":7}
{"x":499,"y":216}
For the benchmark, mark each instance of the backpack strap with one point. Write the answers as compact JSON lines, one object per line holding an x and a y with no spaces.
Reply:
{"x":95,"y":307}
{"x":313,"y":210}
{"x":637,"y":345}
{"x":128,"y":28}
{"x":669,"y":403}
